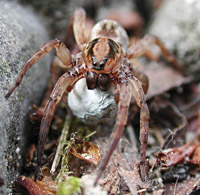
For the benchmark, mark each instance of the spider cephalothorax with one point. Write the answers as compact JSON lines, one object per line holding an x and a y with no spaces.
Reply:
{"x":103,"y":61}
{"x":102,"y":56}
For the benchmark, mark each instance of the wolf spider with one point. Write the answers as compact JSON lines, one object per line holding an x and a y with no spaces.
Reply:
{"x":103,"y":60}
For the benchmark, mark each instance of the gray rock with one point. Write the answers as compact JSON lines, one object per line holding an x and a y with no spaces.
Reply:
{"x":21,"y":34}
{"x":177,"y":24}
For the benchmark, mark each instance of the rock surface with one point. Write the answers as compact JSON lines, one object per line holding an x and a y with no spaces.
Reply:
{"x":177,"y":24}
{"x":21,"y":34}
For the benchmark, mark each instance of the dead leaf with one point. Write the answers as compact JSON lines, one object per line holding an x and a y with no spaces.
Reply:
{"x":87,"y":151}
{"x":196,"y":156}
{"x":44,"y":187}
{"x":173,"y":156}
{"x":162,"y":78}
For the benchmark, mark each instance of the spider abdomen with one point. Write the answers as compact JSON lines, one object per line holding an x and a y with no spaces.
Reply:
{"x":113,"y":30}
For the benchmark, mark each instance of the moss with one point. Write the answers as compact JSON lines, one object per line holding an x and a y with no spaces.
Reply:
{"x":69,"y":186}
{"x":64,"y":171}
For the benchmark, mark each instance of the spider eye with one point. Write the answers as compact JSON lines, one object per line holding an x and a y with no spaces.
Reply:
{"x":94,"y":63}
{"x":98,"y":65}
{"x":102,"y":64}
{"x":105,"y":59}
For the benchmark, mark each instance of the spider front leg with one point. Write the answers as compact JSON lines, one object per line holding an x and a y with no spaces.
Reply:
{"x":141,"y":47}
{"x":57,"y":68}
{"x":122,"y":115}
{"x":138,"y":94}
{"x":61,"y":51}
{"x":66,"y":80}
{"x":79,"y":26}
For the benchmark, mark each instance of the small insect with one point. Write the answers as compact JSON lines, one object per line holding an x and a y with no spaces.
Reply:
{"x":103,"y":60}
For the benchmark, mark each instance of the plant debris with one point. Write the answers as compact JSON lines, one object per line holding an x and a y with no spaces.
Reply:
{"x":87,"y":151}
{"x":172,"y":156}
{"x":43,"y":187}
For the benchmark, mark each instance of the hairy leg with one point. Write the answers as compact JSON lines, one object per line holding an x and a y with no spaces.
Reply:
{"x":138,"y":94}
{"x":141,"y":47}
{"x":122,"y":114}
{"x":61,"y":51}
{"x":141,"y":77}
{"x":57,"y":69}
{"x":79,"y":26}
{"x":137,"y":74}
{"x":61,"y":86}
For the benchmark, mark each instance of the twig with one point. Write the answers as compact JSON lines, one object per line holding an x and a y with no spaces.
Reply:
{"x":62,"y":141}
{"x":175,"y":186}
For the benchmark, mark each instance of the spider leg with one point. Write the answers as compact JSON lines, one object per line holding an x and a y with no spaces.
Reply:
{"x":79,"y":26}
{"x":137,"y":73}
{"x":61,"y":86}
{"x":61,"y":51}
{"x":141,"y":77}
{"x":123,"y":105}
{"x":141,"y":47}
{"x":57,"y":68}
{"x":138,"y":94}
